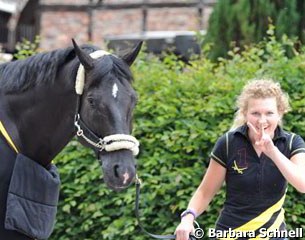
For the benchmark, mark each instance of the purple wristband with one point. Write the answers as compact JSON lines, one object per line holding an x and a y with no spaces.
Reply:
{"x":188,"y":211}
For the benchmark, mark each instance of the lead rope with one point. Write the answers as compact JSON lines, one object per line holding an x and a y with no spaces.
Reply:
{"x":137,"y":212}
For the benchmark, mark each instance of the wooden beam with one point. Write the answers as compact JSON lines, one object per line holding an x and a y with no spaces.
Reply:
{"x":124,"y":6}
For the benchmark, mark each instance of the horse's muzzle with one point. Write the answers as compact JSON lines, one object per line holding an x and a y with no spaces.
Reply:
{"x":118,"y":169}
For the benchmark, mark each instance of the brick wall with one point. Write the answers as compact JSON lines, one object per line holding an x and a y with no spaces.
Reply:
{"x":58,"y":27}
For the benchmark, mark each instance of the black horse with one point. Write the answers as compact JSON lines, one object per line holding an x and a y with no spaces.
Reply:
{"x":44,"y":101}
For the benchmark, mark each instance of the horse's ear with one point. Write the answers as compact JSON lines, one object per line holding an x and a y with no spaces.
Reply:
{"x":83,"y":57}
{"x":131,"y":56}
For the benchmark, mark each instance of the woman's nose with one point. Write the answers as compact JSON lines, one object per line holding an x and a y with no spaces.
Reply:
{"x":262,"y":119}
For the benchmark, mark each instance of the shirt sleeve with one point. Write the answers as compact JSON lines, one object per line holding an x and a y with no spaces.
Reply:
{"x":219,"y":152}
{"x":297,"y":145}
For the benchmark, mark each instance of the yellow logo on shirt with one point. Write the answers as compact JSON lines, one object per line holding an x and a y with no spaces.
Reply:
{"x":238,"y":169}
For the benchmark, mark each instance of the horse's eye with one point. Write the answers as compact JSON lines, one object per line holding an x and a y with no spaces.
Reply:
{"x":91,"y":101}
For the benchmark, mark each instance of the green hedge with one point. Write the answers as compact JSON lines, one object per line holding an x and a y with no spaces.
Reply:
{"x":182,"y":110}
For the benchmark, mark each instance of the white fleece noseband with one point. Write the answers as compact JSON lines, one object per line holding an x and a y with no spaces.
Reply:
{"x":121,"y":141}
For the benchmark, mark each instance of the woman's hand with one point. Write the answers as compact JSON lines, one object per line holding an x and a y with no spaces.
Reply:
{"x":185,"y":228}
{"x":263,"y":141}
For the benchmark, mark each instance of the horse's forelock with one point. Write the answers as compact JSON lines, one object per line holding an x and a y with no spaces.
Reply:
{"x":112,"y":64}
{"x":122,"y":69}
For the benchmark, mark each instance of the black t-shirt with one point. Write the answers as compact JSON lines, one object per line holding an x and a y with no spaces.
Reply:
{"x":255,"y":188}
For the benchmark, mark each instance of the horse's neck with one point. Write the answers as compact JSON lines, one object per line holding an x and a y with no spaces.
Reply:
{"x":44,"y":120}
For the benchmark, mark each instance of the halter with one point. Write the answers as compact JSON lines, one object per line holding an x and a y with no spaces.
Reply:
{"x":109,"y":143}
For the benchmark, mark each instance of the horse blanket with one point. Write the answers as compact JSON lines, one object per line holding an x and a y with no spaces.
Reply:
{"x":28,"y":194}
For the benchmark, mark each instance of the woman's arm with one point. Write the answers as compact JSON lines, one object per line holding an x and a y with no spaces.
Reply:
{"x":293,"y":170}
{"x":209,"y":186}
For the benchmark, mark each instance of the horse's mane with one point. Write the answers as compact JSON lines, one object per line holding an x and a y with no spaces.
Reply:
{"x":38,"y":69}
{"x":42,"y":68}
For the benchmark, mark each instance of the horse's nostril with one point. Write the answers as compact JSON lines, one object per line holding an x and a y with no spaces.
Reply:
{"x":116,"y":171}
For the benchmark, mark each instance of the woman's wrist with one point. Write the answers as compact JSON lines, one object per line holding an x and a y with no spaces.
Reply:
{"x":188,"y":218}
{"x":187,"y":213}
{"x":274,"y":153}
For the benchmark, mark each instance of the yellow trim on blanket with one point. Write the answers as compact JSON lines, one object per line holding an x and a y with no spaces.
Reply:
{"x":7,"y":137}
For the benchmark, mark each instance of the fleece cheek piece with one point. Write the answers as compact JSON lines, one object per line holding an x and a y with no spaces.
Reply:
{"x":80,"y":77}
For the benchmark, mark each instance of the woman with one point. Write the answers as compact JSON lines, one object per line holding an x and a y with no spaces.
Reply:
{"x":256,"y":159}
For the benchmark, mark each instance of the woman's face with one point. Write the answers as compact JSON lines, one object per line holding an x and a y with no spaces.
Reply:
{"x":263,"y":113}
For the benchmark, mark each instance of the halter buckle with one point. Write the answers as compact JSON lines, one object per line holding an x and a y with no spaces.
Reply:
{"x":101,"y":144}
{"x":79,"y":132}
{"x":138,"y":180}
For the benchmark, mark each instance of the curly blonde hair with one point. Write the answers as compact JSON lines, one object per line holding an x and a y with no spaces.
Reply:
{"x":263,"y":88}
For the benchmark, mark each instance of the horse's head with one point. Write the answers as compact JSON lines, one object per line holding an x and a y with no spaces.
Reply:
{"x":105,"y":108}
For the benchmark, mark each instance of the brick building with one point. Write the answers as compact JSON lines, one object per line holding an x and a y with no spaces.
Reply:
{"x":57,"y":21}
